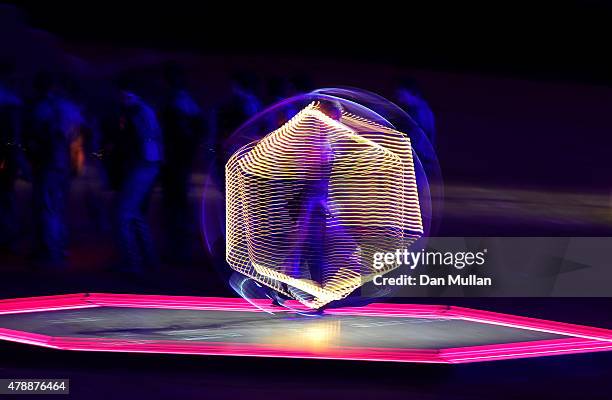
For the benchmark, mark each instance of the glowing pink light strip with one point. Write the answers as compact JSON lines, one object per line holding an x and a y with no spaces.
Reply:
{"x":523,"y":350}
{"x":44,"y":303}
{"x":583,"y":339}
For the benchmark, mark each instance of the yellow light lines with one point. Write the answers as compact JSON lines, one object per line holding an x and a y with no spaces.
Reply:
{"x":319,"y":193}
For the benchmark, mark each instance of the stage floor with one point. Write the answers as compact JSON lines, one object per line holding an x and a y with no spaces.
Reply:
{"x":217,"y":326}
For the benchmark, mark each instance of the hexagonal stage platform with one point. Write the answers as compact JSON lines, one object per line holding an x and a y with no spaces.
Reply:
{"x":235,"y":327}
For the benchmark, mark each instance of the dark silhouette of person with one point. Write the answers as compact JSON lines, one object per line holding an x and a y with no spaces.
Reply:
{"x":140,"y":145}
{"x":11,"y":156}
{"x":235,"y":110}
{"x":53,"y":127}
{"x":183,"y":128}
{"x":410,"y":97}
{"x":310,"y":211}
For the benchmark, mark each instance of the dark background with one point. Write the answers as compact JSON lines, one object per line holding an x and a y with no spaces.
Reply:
{"x":522,"y":95}
{"x":559,"y":41}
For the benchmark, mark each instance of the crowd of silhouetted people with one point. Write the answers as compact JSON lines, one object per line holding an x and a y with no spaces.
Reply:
{"x":53,"y":135}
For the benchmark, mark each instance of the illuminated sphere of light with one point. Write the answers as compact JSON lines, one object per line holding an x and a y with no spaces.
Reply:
{"x":310,"y":202}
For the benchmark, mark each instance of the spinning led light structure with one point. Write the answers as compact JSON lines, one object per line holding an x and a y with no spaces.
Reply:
{"x":310,"y":203}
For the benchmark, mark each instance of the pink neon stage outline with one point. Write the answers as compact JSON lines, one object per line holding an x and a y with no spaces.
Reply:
{"x":583,"y":338}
